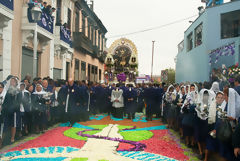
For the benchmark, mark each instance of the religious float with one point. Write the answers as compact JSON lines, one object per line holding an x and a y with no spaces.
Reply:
{"x":121,"y":62}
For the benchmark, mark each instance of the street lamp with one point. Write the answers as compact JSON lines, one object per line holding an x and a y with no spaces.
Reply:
{"x":36,"y":13}
{"x":36,"y":16}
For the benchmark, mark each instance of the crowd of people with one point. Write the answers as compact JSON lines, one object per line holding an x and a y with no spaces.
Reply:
{"x":206,"y":115}
{"x":46,"y":8}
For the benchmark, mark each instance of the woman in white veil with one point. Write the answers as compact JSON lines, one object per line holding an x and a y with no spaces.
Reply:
{"x":39,"y":109}
{"x":232,"y":109}
{"x":205,"y":99}
{"x":2,"y":97}
{"x":188,"y":110}
{"x":170,"y":98}
{"x":215,"y":87}
{"x":11,"y":106}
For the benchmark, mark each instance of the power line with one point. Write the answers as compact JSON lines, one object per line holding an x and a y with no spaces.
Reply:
{"x":153,"y":28}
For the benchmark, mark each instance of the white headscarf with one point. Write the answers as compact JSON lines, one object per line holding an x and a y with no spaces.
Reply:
{"x":180,"y":92}
{"x":42,"y":92}
{"x":233,"y":104}
{"x":171,"y":86}
{"x":192,"y":97}
{"x":8,"y":84}
{"x":201,"y":104}
{"x":215,"y":87}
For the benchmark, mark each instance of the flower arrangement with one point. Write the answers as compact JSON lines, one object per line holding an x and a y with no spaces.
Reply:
{"x":230,"y":73}
{"x":121,"y":77}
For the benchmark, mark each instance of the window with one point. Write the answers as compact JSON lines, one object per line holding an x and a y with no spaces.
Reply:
{"x":230,"y":24}
{"x":77,"y":64}
{"x":77,"y":21}
{"x":181,"y":46}
{"x":198,"y":35}
{"x":57,"y":73}
{"x":83,"y":24}
{"x":100,"y":74}
{"x":92,"y":30}
{"x":99,"y":40}
{"x":96,"y":70}
{"x":95,"y":37}
{"x":69,"y":21}
{"x":83,"y":66}
{"x":190,"y":42}
{"x":89,"y":31}
{"x":92,"y":71}
{"x":58,"y":12}
{"x":76,"y":74}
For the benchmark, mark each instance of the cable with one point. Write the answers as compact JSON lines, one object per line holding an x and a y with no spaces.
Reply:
{"x":153,"y":28}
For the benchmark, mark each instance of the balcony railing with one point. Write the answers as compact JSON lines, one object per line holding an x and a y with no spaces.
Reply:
{"x":46,"y":21}
{"x":8,"y":3}
{"x":82,"y":43}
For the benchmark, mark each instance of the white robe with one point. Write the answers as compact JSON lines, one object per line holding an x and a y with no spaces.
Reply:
{"x":117,"y":95}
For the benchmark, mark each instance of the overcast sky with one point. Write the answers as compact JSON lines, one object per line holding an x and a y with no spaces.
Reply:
{"x":124,"y":16}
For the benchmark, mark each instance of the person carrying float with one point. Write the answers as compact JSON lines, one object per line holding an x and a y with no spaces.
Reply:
{"x":130,"y":96}
{"x":69,"y":99}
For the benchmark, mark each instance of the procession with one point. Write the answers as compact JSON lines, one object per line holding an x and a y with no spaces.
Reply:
{"x":205,"y":115}
{"x":88,"y":80}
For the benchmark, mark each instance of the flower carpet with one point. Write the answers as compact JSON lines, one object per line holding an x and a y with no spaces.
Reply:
{"x":103,"y":139}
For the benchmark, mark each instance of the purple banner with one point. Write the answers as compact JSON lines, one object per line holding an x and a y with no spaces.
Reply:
{"x":65,"y":35}
{"x":46,"y":22}
{"x":8,"y":3}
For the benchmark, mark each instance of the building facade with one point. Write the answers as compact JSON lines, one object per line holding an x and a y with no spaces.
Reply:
{"x":212,"y":40}
{"x":70,"y":42}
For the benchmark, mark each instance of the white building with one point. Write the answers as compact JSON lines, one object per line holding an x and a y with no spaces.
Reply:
{"x":211,"y":40}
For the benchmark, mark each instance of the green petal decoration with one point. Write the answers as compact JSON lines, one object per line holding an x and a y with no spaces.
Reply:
{"x":136,"y":135}
{"x":120,"y":127}
{"x":98,"y":126}
{"x":72,"y":133}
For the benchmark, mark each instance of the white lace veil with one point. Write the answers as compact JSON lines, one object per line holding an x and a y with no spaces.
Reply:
{"x":215,"y":87}
{"x":233,"y":104}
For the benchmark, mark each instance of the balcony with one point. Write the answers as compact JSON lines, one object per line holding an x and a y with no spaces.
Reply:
{"x":62,"y":40}
{"x":82,"y":43}
{"x":46,"y":21}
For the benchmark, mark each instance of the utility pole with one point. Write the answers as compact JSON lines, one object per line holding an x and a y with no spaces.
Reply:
{"x":152,"y":59}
